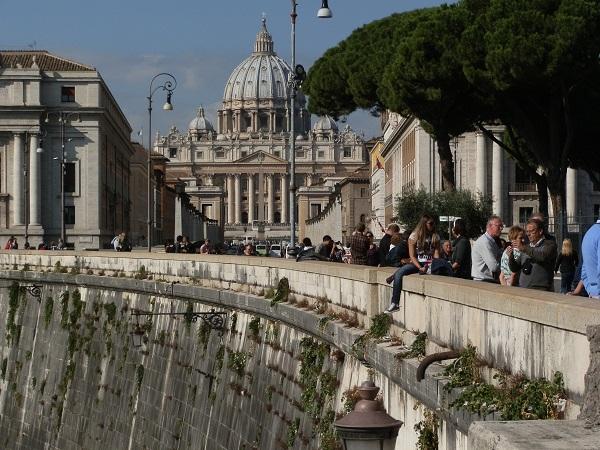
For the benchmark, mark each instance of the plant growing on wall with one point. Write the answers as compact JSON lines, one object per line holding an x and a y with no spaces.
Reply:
{"x":427,"y":431}
{"x":139,"y":376}
{"x":236,"y":362}
{"x":292,"y":432}
{"x":282,"y":293}
{"x":416,"y":349}
{"x":48,"y":309}
{"x":13,"y":331}
{"x":64,"y":309}
{"x":254,"y":328}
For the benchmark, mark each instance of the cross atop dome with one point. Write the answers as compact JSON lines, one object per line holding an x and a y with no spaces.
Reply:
{"x":264,"y":41}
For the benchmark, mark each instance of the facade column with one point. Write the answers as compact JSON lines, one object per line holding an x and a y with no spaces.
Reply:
{"x":251,"y":196}
{"x":230,"y":200}
{"x":284,"y":198}
{"x":238,"y":199}
{"x":481,"y":172}
{"x":309,"y":180}
{"x":497,"y":177}
{"x":18,"y":179}
{"x":35,"y":185}
{"x":270,"y":199}
{"x":571,"y":195}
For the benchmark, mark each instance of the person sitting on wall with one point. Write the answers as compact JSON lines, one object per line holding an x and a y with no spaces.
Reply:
{"x":205,"y":248}
{"x":385,"y":243}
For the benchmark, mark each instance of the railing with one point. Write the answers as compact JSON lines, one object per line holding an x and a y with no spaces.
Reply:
{"x":524,"y":187}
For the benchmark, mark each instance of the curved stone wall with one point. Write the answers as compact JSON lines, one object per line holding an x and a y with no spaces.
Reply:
{"x":181,"y":402}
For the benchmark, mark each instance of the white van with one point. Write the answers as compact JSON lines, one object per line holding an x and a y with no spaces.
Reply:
{"x":275,"y":250}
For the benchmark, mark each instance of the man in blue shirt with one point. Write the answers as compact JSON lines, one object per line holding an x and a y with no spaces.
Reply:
{"x":590,"y":251}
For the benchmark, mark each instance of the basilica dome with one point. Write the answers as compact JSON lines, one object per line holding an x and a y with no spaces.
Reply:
{"x":263,"y":75}
{"x":199,"y":123}
{"x":325,"y":124}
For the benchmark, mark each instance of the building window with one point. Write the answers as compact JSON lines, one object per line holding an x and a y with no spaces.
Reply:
{"x":277,"y":153}
{"x":199,"y":155}
{"x":321,"y":154}
{"x":67,"y":94}
{"x":597,"y":212}
{"x":220,"y":154}
{"x":525,"y":213}
{"x":70,"y":179}
{"x":364,"y":192}
{"x":347,"y":152}
{"x":172,"y":152}
{"x":69,"y":215}
{"x":315,"y":209}
{"x":244,"y":153}
{"x":299,"y":153}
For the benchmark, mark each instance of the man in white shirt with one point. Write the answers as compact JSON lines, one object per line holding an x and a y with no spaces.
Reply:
{"x":485,"y":255}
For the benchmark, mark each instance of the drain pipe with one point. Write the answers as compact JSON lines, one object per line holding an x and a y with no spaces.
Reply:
{"x":428,"y":360}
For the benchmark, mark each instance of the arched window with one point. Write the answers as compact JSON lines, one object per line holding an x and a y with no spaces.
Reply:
{"x":244,"y":217}
{"x":277,"y":217}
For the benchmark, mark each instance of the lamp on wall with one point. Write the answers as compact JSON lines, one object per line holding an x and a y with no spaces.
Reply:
{"x":368,"y":426}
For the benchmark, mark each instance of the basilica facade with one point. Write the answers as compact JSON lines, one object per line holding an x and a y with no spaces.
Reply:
{"x":237,"y":170}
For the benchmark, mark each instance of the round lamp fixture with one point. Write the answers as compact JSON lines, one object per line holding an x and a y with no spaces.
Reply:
{"x":324,"y":11}
{"x":368,"y":426}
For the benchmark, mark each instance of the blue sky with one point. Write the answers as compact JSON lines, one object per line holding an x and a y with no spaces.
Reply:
{"x":200,"y":42}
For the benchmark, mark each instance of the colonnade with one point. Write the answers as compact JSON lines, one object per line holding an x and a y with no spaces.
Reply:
{"x":19,"y":168}
{"x":255,"y":196}
{"x":498,"y":187}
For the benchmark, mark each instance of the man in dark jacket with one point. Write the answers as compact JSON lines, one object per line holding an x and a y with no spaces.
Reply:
{"x":536,"y":262}
{"x":384,"y":244}
{"x":308,"y":252}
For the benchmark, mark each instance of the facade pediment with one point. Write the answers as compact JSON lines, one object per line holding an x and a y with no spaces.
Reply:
{"x":260,"y":157}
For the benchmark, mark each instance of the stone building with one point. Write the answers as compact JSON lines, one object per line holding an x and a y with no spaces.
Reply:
{"x":65,"y":109}
{"x":408,"y":159}
{"x":236,"y":171}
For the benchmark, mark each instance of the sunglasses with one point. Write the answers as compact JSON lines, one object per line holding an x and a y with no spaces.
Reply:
{"x":431,"y":223}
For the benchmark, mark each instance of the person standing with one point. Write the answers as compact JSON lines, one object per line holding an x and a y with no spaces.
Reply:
{"x":536,"y":261}
{"x":385,"y":242}
{"x":461,"y":255}
{"x":423,"y":247}
{"x":567,"y":262}
{"x":590,"y":252}
{"x":485,"y":254}
{"x":507,"y":276}
{"x":359,"y":245}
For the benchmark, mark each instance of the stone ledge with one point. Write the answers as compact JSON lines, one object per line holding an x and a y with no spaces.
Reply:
{"x":533,"y":434}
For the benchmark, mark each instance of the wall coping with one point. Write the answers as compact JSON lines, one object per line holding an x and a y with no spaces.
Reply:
{"x":556,"y":310}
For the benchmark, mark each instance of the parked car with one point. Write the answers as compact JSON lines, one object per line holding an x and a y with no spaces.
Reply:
{"x":261,"y":250}
{"x":275,"y":250}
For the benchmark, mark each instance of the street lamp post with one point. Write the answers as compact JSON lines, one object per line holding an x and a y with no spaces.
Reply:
{"x":168,"y":85}
{"x":295,"y":80}
{"x":63,"y":118}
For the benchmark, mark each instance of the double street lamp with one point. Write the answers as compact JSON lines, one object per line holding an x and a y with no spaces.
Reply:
{"x":169,"y":84}
{"x":295,"y":81}
{"x":63,"y":118}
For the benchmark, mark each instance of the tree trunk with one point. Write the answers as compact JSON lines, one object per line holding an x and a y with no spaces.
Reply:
{"x":556,"y":186}
{"x":542,"y":188}
{"x":447,"y":163}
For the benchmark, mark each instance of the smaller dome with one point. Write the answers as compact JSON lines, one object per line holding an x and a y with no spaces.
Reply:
{"x":199,"y":123}
{"x":325,"y":124}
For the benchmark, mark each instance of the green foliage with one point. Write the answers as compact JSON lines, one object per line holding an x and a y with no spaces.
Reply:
{"x":139,"y":376}
{"x":380,"y":325}
{"x":67,"y":378}
{"x":427,"y":431}
{"x":473,"y":208}
{"x":254,"y":328}
{"x":236,"y":362}
{"x":203,"y":335}
{"x":464,"y":370}
{"x":141,"y":273}
{"x":349,"y":399}
{"x":13,"y":331}
{"x":48,"y":309}
{"x":64,"y":311}
{"x":416,"y":349}
{"x":110,"y":309}
{"x":312,"y":357}
{"x":329,"y":384}
{"x":282,"y":292}
{"x":292,"y":432}
{"x":189,"y":316}
{"x":3,"y":368}
{"x":76,"y":307}
{"x":219,"y":358}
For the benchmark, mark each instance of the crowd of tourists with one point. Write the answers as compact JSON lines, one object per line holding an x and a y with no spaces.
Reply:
{"x":13,"y":244}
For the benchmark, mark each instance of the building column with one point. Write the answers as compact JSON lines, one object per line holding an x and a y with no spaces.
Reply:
{"x":309,"y":180}
{"x":251,"y":196}
{"x":284,"y":198}
{"x":481,"y":172}
{"x":238,"y":199}
{"x":230,"y":200}
{"x":571,"y":195}
{"x":497,"y":177}
{"x":270,"y":199}
{"x":18,"y":179}
{"x":35,"y":185}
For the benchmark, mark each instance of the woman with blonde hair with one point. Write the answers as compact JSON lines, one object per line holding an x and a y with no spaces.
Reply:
{"x":567,"y":263}
{"x":423,"y":246}
{"x":507,"y":276}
